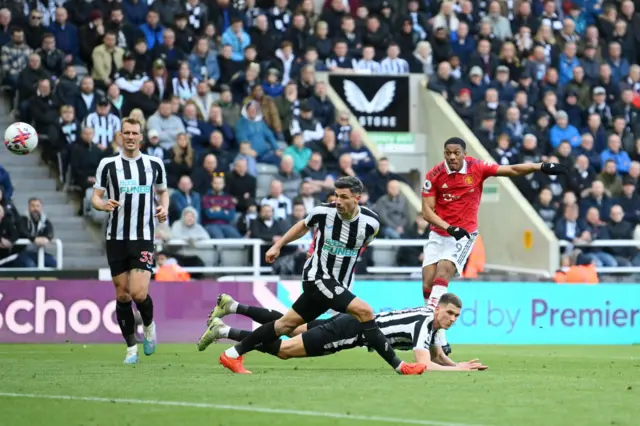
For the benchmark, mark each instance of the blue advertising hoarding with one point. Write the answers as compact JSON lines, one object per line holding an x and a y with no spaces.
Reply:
{"x":519,"y":313}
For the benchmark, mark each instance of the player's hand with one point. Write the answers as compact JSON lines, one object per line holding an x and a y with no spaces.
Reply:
{"x":474,"y":364}
{"x":272,"y":254}
{"x":458,"y":233}
{"x":161,"y":214}
{"x":553,"y":169}
{"x":110,"y":205}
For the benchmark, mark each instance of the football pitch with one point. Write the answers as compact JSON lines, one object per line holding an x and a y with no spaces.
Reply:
{"x":58,"y":385}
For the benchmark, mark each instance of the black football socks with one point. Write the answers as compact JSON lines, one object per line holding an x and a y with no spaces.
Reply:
{"x":259,"y":315}
{"x":260,"y":337}
{"x":146,"y":310}
{"x":127,"y":322}
{"x":376,"y":340}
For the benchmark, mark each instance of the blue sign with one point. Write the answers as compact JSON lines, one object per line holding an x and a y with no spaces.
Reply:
{"x":524,"y":313}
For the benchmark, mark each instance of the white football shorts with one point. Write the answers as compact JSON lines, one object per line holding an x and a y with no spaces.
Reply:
{"x":439,"y":248}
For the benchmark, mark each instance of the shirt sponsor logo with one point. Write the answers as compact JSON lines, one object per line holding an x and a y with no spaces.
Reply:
{"x":338,"y":248}
{"x":130,"y":186}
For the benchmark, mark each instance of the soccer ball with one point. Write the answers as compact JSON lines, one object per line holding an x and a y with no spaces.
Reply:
{"x":20,"y":138}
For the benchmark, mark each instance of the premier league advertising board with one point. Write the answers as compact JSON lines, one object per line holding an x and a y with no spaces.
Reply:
{"x":493,"y":313}
{"x":380,"y":103}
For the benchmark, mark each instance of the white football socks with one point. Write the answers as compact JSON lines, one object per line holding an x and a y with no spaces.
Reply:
{"x":436,"y":293}
{"x":233,"y":308}
{"x":232,"y":353}
{"x":224,"y":331}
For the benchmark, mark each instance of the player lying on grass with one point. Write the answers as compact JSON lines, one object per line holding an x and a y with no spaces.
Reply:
{"x":409,"y":329}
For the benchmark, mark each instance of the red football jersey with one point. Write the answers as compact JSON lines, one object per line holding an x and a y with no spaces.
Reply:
{"x":458,"y":194}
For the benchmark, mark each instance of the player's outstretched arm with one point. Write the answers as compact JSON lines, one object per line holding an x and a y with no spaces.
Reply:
{"x":424,"y":357}
{"x":516,"y":170}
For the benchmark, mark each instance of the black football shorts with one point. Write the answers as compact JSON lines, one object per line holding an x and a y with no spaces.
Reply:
{"x":127,"y":255}
{"x":319,"y":296}
{"x":339,"y":333}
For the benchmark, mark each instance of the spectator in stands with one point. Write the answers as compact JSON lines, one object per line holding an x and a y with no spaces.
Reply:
{"x":107,"y":59}
{"x":615,"y":153}
{"x":307,"y":125}
{"x":14,"y":57}
{"x":52,"y":59}
{"x":586,"y":148}
{"x":268,"y":228}
{"x":505,"y":88}
{"x":368,"y":62}
{"x":241,"y":185}
{"x":237,"y":38}
{"x":570,"y":228}
{"x":184,"y":196}
{"x":529,"y":151}
{"x":218,"y":211}
{"x":39,"y":230}
{"x":486,"y":131}
{"x":600,"y":109}
{"x":610,"y":179}
{"x":44,"y":109}
{"x":91,"y":34}
{"x":323,"y":109}
{"x":596,"y":197}
{"x":188,"y":229}
{"x":8,"y":236}
{"x":145,"y":100}
{"x":564,"y":155}
{"x":166,"y":124}
{"x":182,"y":159}
{"x":621,"y":130}
{"x":34,"y":31}
{"x":393,"y":63}
{"x":203,"y":63}
{"x":203,"y":175}
{"x":85,"y":157}
{"x":267,"y":108}
{"x":514,"y":127}
{"x":545,"y":207}
{"x":568,"y":61}
{"x":504,"y":153}
{"x":66,"y":35}
{"x":281,"y":205}
{"x":105,"y":124}
{"x":598,"y":230}
{"x":620,"y":229}
{"x":317,"y":175}
{"x":362,"y":159}
{"x":298,"y":152}
{"x":413,"y":255}
{"x":290,"y":179}
{"x":582,"y":175}
{"x":629,"y":201}
{"x":152,"y":147}
{"x":86,"y":101}
{"x":393,"y":211}
{"x":152,"y":29}
{"x":28,"y":83}
{"x":6,"y":186}
{"x":251,"y":127}
{"x":306,"y":197}
{"x":563,"y":131}
{"x":378,"y":179}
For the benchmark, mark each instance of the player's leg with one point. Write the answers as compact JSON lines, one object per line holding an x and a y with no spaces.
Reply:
{"x":227,"y":305}
{"x":117,"y":259}
{"x":428,"y":275}
{"x":308,"y":307}
{"x":219,"y":330}
{"x":431,"y":257}
{"x":140,"y":267}
{"x":453,"y":257}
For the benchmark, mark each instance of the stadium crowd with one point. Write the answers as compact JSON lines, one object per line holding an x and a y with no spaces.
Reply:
{"x":226,"y":91}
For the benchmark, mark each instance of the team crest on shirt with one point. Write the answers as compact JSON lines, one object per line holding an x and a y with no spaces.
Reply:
{"x":468,"y":180}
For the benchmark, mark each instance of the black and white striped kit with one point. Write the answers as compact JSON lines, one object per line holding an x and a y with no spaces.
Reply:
{"x":130,"y":181}
{"x":338,"y":243}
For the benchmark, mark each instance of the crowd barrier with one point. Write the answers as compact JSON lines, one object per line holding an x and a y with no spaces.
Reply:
{"x":493,"y":313}
{"x":41,"y":250}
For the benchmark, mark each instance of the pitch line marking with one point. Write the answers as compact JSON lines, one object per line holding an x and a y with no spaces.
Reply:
{"x":245,"y":408}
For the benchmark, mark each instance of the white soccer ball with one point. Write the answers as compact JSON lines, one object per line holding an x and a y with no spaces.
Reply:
{"x":20,"y":138}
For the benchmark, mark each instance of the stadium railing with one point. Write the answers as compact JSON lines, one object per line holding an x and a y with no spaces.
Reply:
{"x":254,"y":268}
{"x":41,"y":251}
{"x":608,"y":243}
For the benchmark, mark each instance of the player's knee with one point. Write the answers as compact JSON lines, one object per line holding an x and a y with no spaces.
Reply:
{"x":123,"y":297}
{"x":285,"y":326}
{"x":139,"y":295}
{"x":362,"y":312}
{"x":445,"y":270}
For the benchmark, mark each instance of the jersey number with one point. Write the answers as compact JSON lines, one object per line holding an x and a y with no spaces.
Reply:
{"x":146,"y":257}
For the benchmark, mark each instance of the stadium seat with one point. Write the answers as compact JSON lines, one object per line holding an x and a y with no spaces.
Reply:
{"x":234,"y":256}
{"x":384,"y":256}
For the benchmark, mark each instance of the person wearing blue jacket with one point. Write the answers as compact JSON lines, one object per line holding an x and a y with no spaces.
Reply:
{"x":237,"y":38}
{"x":135,"y":11}
{"x":5,"y":183}
{"x":567,"y":62}
{"x":251,"y":127}
{"x":616,"y":154}
{"x":184,"y":197}
{"x":152,"y":30}
{"x":203,"y":62}
{"x":66,"y":34}
{"x":563,"y":131}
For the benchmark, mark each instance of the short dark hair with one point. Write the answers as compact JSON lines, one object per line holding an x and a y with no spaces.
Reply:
{"x":456,"y":141}
{"x":450,"y":298}
{"x":32,"y":199}
{"x":351,"y":183}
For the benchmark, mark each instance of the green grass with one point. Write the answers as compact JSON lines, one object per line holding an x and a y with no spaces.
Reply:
{"x":525,"y":385}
